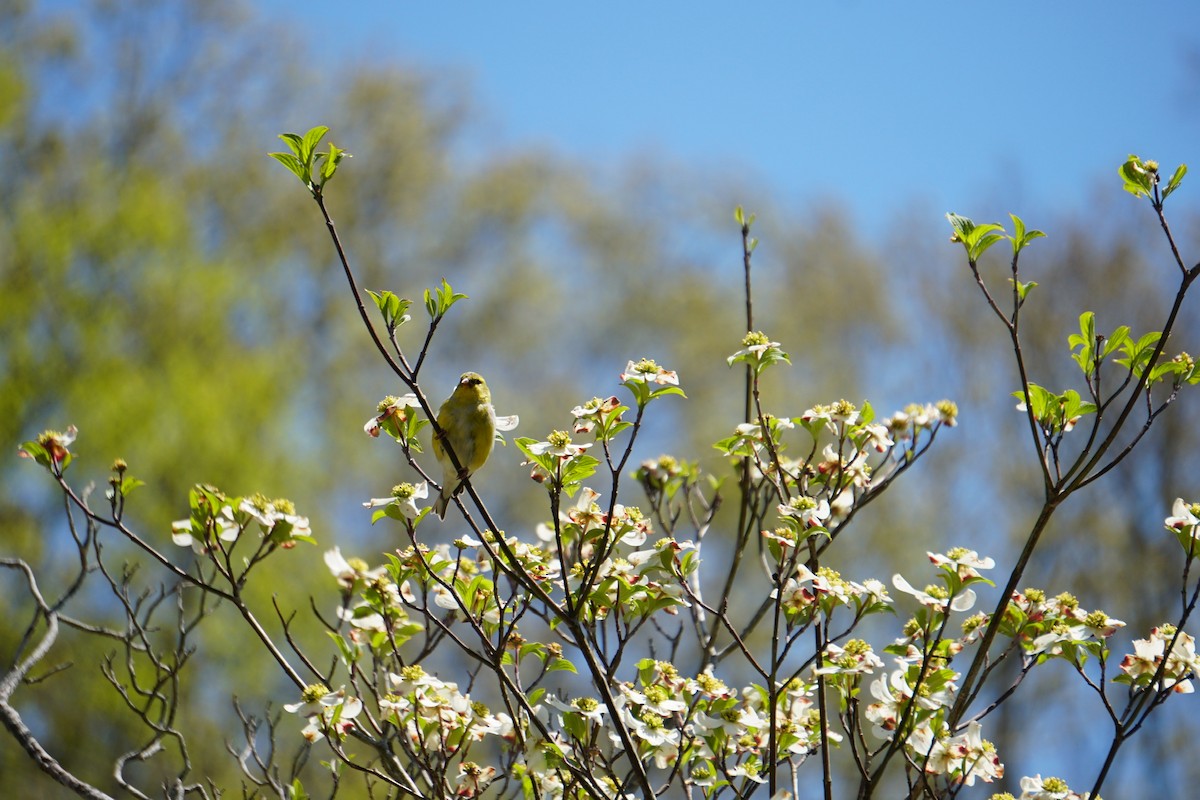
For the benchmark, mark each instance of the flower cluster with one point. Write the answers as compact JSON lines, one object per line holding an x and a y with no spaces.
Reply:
{"x":1146,"y":662}
{"x":401,"y":504}
{"x":647,"y":371}
{"x":1184,"y":522}
{"x":964,"y":758}
{"x":759,"y":352}
{"x":641,"y":376}
{"x":913,"y":703}
{"x":749,"y":440}
{"x":51,"y":449}
{"x":664,"y":476}
{"x":394,"y":416}
{"x":820,"y":492}
{"x":435,"y":716}
{"x":219,"y":522}
{"x":327,"y":713}
{"x":557,"y":462}
{"x":373,"y":605}
{"x":1057,"y":627}
{"x":600,"y":415}
{"x":959,"y":569}
{"x":606,"y":557}
{"x":914,"y":418}
{"x":805,"y":594}
{"x":1048,"y":788}
{"x":699,"y":725}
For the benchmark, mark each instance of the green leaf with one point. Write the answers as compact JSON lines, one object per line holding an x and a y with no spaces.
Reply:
{"x":1148,"y":340}
{"x":666,"y":390}
{"x":737,"y":445}
{"x":292,"y":163}
{"x":311,"y":140}
{"x":1176,"y":179}
{"x":128,"y":484}
{"x":1115,"y":340}
{"x":532,"y":648}
{"x":975,"y":238}
{"x":303,"y":156}
{"x":42,"y":455}
{"x":616,"y":428}
{"x":1056,"y":413}
{"x":1165,"y":368}
{"x":1018,"y":228}
{"x":1041,"y":400}
{"x":294,"y":142}
{"x":331,"y":162}
{"x":1138,"y":181}
{"x":983,"y":243}
{"x":543,"y":460}
{"x":962,"y":225}
{"x":1021,"y":238}
{"x":1022,"y":288}
{"x":579,"y":469}
{"x":1070,"y":403}
{"x":562,"y":665}
{"x":1084,"y":340}
{"x":393,"y":308}
{"x":438,"y":301}
{"x":574,"y":725}
{"x":1135,"y":355}
{"x":349,"y":655}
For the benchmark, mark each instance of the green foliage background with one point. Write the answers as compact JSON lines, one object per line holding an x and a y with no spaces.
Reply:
{"x":165,"y":287}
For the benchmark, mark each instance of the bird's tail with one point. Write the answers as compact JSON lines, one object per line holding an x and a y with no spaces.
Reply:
{"x":443,"y":502}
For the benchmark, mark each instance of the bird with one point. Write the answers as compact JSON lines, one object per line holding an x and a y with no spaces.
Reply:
{"x":468,"y":423}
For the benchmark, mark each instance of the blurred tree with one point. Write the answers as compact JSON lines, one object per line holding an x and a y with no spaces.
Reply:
{"x":1107,"y":546}
{"x":165,"y":289}
{"x":162,"y":289}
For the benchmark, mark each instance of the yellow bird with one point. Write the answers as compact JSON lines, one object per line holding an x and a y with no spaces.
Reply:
{"x":469,"y":422}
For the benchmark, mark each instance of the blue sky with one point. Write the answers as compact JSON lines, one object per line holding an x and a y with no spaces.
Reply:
{"x":881,"y":104}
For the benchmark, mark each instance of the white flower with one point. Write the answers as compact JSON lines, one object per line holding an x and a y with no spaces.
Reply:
{"x":966,"y":563}
{"x":878,"y":437}
{"x":746,"y":771}
{"x":404,"y":498}
{"x":1183,"y":515}
{"x":646,"y":371}
{"x":349,"y":574}
{"x":962,"y":601}
{"x":558,"y":444}
{"x":228,"y":530}
{"x":392,"y":407}
{"x":325,"y":711}
{"x":810,"y":512}
{"x":507,"y":423}
{"x":587,"y":707}
{"x":1037,"y":788}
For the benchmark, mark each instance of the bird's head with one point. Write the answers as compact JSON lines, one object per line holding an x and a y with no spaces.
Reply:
{"x":471,"y":384}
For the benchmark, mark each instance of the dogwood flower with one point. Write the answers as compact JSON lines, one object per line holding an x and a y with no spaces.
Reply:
{"x":391,"y":409}
{"x":404,"y":499}
{"x":646,"y":371}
